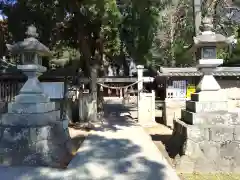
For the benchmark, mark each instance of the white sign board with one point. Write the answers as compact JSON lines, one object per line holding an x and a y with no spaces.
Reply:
{"x":148,"y":79}
{"x":55,"y":90}
{"x":180,"y":88}
{"x":177,"y":90}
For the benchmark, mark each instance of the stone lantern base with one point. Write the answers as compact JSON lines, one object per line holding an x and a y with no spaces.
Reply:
{"x":32,"y":132}
{"x":207,"y":137}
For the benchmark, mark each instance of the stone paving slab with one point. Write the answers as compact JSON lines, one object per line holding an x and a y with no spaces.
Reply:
{"x":116,"y":150}
{"x":124,"y":152}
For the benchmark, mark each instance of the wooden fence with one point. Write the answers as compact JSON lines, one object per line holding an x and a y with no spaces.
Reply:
{"x":9,"y":89}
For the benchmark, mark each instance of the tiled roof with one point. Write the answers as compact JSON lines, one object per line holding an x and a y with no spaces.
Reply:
{"x":220,"y":71}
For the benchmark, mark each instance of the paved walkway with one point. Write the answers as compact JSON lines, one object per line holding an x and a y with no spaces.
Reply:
{"x":118,"y":150}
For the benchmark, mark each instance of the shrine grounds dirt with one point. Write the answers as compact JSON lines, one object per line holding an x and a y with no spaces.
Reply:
{"x":209,"y":176}
{"x":77,"y":135}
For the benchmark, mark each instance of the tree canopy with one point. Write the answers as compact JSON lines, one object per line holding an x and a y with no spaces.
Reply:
{"x":105,"y":31}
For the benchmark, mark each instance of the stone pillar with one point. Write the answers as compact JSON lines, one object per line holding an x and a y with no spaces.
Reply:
{"x":140,"y":77}
{"x":140,"y":85}
{"x":153,"y":106}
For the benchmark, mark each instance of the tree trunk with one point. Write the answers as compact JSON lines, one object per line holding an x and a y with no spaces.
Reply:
{"x":90,"y":70}
{"x":94,"y":94}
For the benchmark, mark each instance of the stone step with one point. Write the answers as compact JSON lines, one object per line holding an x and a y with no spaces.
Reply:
{"x":208,"y":96}
{"x":206,"y":106}
{"x":210,"y":118}
{"x":32,"y":98}
{"x":29,"y":119}
{"x":14,"y":107}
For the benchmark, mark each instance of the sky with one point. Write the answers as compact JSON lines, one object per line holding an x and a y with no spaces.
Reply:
{"x":7,"y":1}
{"x":1,"y":16}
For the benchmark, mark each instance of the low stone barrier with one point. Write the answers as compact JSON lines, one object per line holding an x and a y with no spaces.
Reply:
{"x":207,"y":147}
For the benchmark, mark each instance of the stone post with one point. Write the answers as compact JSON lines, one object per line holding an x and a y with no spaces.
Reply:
{"x":140,"y":85}
{"x":153,"y":106}
{"x":140,"y":77}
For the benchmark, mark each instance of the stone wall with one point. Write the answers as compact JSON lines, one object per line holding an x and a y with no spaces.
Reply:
{"x":206,"y":148}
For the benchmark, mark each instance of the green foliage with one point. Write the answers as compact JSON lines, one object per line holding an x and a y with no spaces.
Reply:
{"x":175,"y":32}
{"x":131,"y":23}
{"x":234,"y":53}
{"x":151,"y":32}
{"x":138,"y":28}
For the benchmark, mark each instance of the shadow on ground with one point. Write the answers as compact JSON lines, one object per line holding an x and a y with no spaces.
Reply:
{"x":121,"y":116}
{"x":162,"y":138}
{"x":159,"y":120}
{"x":100,"y":161}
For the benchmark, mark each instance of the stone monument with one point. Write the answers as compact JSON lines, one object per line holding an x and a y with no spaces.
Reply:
{"x":207,"y":137}
{"x":32,"y":132}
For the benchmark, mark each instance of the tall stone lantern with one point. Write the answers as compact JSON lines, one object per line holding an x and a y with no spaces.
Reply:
{"x":207,"y":134}
{"x":32,"y":132}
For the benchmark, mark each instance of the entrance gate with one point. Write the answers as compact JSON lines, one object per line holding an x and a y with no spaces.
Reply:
{"x":140,"y":100}
{"x":143,"y":102}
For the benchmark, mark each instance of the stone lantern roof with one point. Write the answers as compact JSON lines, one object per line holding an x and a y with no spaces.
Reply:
{"x":30,"y":44}
{"x":209,"y":38}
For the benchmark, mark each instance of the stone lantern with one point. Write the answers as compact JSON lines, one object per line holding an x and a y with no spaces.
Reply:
{"x":206,"y":44}
{"x":206,"y":135}
{"x":32,"y":129}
